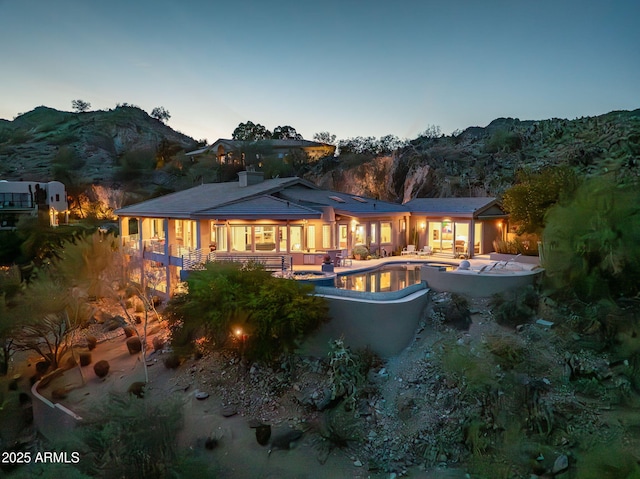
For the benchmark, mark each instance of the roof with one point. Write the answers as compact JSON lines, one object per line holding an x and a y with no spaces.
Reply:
{"x":467,"y":206}
{"x":342,"y":203}
{"x":184,"y":204}
{"x":260,"y":207}
{"x":239,"y":144}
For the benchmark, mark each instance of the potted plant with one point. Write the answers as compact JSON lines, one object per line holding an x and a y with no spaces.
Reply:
{"x":360,"y":252}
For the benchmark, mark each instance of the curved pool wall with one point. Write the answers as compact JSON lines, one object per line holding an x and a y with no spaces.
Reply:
{"x":384,"y":322}
{"x":478,"y":284}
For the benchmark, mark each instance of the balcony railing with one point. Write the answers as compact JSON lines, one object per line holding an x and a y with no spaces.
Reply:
{"x":131,"y":244}
{"x":154,"y":245}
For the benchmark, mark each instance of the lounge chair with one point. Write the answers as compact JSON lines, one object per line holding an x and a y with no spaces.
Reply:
{"x":410,"y":249}
{"x":425,"y":251}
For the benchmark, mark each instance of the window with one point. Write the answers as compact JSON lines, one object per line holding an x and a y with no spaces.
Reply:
{"x":337,"y":199}
{"x":157,"y":228}
{"x":342,"y":230}
{"x":219,"y":236}
{"x":326,"y":236}
{"x":265,"y":237}
{"x":241,"y":238}
{"x":360,"y":236}
{"x":311,"y":237}
{"x":385,"y":232}
{"x":179,"y":229}
{"x":296,"y":238}
{"x":282,"y":232}
{"x":374,"y":236}
{"x":57,"y":197}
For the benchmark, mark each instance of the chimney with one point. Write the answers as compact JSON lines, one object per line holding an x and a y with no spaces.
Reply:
{"x":248,"y":178}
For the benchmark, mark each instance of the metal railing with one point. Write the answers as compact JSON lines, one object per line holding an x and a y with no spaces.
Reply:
{"x":196,"y":259}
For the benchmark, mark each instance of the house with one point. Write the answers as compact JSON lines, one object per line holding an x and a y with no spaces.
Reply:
{"x":286,"y":218}
{"x":32,"y":198}
{"x":245,"y":152}
{"x":460,"y":226}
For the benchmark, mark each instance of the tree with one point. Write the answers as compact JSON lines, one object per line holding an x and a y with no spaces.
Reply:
{"x":325,"y":137}
{"x":536,"y":192}
{"x":80,"y":106}
{"x":431,"y":132}
{"x":159,"y":113}
{"x":285,"y":133}
{"x":249,"y":131}
{"x":592,"y":243}
{"x":230,"y":304}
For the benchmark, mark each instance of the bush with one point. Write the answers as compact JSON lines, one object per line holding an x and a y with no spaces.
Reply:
{"x":172,"y":361}
{"x":515,"y":307}
{"x":456,"y":312}
{"x":129,"y":331}
{"x":158,"y":343}
{"x":137,"y":389}
{"x":101,"y":368}
{"x":92,"y":342}
{"x":85,"y":358}
{"x":134,"y":345}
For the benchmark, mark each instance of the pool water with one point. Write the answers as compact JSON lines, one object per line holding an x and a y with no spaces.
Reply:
{"x":386,"y":278}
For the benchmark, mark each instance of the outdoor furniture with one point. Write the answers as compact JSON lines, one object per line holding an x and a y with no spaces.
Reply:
{"x":409,"y":249}
{"x":460,"y":246}
{"x":425,"y":251}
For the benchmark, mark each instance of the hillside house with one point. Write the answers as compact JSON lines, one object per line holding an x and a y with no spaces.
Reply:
{"x":289,"y":218}
{"x":32,"y":198}
{"x":244,"y":153}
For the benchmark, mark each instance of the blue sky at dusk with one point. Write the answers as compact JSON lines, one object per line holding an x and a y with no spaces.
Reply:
{"x":353,"y":68}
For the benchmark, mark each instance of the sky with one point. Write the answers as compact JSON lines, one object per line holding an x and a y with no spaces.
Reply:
{"x":349,"y":67}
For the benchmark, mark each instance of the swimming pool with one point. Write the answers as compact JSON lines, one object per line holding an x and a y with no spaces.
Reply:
{"x":387,"y":277}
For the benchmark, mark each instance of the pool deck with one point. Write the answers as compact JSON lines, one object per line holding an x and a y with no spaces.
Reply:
{"x":477,"y":262}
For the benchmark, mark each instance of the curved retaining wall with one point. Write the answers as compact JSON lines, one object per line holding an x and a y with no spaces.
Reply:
{"x":476,"y":284}
{"x":380,"y":321}
{"x":51,"y":419}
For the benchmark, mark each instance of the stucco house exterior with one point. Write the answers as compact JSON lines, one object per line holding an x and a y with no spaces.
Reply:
{"x":460,"y":226}
{"x":237,"y":152}
{"x":32,"y":198}
{"x":282,"y":217}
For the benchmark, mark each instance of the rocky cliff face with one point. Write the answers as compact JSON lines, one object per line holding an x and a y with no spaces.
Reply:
{"x":484,"y":161}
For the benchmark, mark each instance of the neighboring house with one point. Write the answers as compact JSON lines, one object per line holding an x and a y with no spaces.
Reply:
{"x":248,"y":152}
{"x":461,"y":226}
{"x":32,"y":198}
{"x":287,"y":217}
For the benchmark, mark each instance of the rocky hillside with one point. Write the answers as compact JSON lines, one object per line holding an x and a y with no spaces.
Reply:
{"x":85,"y":148}
{"x":126,"y":151}
{"x":484,"y":161}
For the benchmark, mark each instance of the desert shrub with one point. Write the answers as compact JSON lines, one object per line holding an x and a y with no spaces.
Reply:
{"x":70,"y":363}
{"x":611,"y":461}
{"x":514,"y":307}
{"x":345,"y":373}
{"x":118,"y":440}
{"x":42,"y":367}
{"x":507,"y":350}
{"x":134,"y":345}
{"x":92,"y":342}
{"x":101,"y":368}
{"x":129,"y":331}
{"x":172,"y":361}
{"x":455,"y":311}
{"x":158,"y":343}
{"x":137,"y":389}
{"x":59,"y":393}
{"x":472,"y":370}
{"x":85,"y":358}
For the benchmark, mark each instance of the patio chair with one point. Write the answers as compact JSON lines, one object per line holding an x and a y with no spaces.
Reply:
{"x":409,"y":249}
{"x":425,"y":251}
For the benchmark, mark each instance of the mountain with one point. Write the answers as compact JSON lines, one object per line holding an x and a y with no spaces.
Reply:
{"x":484,"y":161}
{"x":123,"y":155}
{"x":97,"y":147}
